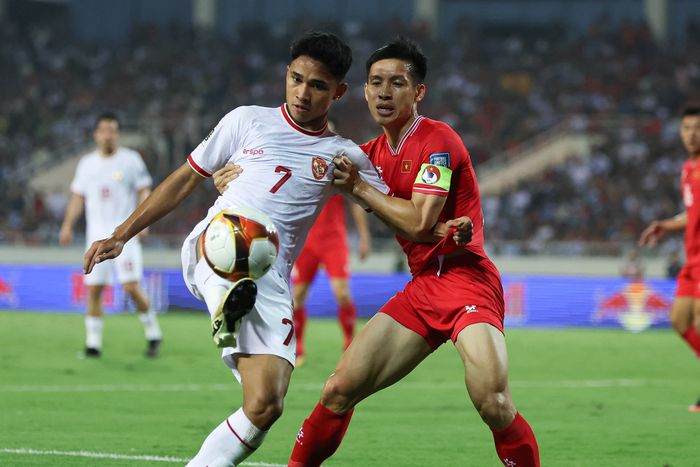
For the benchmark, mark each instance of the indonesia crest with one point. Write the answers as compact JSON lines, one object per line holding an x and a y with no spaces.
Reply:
{"x":318,"y":168}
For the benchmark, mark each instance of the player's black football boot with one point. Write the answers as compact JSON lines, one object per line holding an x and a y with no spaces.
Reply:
{"x":237,"y":302}
{"x":91,"y":352}
{"x":153,"y":348}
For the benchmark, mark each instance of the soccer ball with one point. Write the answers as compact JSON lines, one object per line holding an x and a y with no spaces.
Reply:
{"x":240,"y":242}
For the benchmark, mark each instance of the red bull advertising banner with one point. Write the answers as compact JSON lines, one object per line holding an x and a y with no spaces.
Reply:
{"x":530,"y":301}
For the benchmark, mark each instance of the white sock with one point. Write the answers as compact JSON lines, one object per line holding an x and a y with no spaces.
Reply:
{"x":211,"y":286}
{"x":150,"y":325}
{"x":93,"y":330}
{"x":230,"y":443}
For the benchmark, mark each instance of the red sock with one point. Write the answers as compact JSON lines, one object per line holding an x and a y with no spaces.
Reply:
{"x":347,"y":316}
{"x":692,"y":337}
{"x":516,"y":445}
{"x":299,"y":325}
{"x":319,"y":437}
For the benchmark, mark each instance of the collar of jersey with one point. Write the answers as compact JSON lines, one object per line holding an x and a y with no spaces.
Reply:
{"x":293,"y":124}
{"x":411,"y":130}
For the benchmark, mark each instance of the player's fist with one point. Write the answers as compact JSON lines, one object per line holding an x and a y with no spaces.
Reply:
{"x":463,"y":230}
{"x":101,"y":250}
{"x":226,"y":174}
{"x":65,"y":236}
{"x":653,"y":234}
{"x":345,"y":174}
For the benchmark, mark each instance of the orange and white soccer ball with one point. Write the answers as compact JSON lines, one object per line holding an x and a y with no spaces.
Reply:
{"x":240,"y":242}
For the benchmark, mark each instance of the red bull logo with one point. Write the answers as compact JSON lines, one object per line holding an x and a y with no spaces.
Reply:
{"x":636,"y":307}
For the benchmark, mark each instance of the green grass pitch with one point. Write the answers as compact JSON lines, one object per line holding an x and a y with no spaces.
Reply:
{"x":593,"y":397}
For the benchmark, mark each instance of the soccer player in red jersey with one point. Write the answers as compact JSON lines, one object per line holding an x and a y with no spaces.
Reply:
{"x":327,"y":245}
{"x":685,"y":311}
{"x":455,"y":292}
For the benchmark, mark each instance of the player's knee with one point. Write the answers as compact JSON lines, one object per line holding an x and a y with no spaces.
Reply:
{"x":495,"y":408}
{"x":264,"y":411}
{"x":343,"y":298}
{"x":339,"y":393}
{"x":679,"y":322}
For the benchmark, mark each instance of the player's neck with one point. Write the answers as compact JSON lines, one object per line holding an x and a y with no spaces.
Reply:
{"x":317,"y":124}
{"x":394,"y":133}
{"x":106,"y":153}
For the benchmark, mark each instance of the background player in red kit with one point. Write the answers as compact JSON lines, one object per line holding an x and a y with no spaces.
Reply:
{"x":455,"y":292}
{"x":326,"y":245}
{"x":685,"y":311}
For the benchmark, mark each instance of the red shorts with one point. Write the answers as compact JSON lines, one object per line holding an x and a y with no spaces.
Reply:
{"x":689,"y":282}
{"x":440,"y":307}
{"x":334,"y":258}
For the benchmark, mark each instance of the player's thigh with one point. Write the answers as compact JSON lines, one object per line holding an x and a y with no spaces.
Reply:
{"x":682,"y":310}
{"x":696,"y":313}
{"x":382,"y":353}
{"x":100,"y":275}
{"x":265,"y":378}
{"x":341,"y":289}
{"x":482,"y":349}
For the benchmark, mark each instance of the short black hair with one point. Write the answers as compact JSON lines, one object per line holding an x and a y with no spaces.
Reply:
{"x":403,"y":49}
{"x":691,"y":111}
{"x":107,"y":115}
{"x":326,"y":48}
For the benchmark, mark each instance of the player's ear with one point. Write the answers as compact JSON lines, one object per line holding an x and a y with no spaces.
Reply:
{"x":420,"y":92}
{"x":366,"y":96}
{"x":340,"y":91}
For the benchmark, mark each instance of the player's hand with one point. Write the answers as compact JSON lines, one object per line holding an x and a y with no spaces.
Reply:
{"x":101,"y":250}
{"x":225,"y":174}
{"x":364,"y":248}
{"x":345,"y":174}
{"x":463,"y":230}
{"x":65,"y":236}
{"x":652,"y":234}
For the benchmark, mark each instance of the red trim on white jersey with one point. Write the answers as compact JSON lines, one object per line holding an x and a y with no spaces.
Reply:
{"x":197,"y":168}
{"x":294,"y":125}
{"x":412,"y":129}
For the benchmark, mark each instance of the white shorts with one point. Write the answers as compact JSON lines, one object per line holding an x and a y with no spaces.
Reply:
{"x":268,"y":328}
{"x":129,"y":266}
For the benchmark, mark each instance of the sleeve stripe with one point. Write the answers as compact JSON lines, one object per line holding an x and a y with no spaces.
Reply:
{"x":430,"y":191}
{"x":197,"y":168}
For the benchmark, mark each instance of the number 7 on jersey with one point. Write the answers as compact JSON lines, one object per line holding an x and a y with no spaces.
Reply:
{"x":287,"y":174}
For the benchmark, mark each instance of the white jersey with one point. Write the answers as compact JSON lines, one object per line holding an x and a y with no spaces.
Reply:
{"x":110,"y":186}
{"x":287,"y":171}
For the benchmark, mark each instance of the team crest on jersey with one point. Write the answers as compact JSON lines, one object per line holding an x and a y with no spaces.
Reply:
{"x":441,"y":159}
{"x":117,"y":175}
{"x":406,"y":165}
{"x":318,"y":168}
{"x":431,"y":175}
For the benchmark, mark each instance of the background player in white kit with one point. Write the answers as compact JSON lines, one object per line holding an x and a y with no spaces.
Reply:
{"x":286,"y":158}
{"x":110,"y":182}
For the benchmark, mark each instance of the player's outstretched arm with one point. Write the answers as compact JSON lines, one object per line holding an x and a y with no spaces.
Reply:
{"x":164,"y":199}
{"x":360,"y":217}
{"x":413,"y":219}
{"x":73,"y":211}
{"x":657,"y":230}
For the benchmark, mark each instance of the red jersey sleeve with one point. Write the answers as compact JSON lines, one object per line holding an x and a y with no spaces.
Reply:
{"x":442,"y":155}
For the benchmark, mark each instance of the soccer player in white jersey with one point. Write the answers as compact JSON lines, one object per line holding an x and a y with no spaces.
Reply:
{"x":109,"y":183}
{"x":286,"y":157}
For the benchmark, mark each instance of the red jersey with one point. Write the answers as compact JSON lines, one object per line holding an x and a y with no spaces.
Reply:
{"x":690,"y":185}
{"x":330,"y":224}
{"x":431,"y":159}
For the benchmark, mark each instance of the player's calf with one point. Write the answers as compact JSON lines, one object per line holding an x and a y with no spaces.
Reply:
{"x":236,"y":303}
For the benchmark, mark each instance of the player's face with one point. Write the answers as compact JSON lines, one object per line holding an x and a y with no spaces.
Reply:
{"x":390,"y":92}
{"x":310,"y":91}
{"x":690,"y":134}
{"x":107,"y":136}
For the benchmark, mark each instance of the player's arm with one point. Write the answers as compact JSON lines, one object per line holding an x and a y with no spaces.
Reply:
{"x":73,"y":211}
{"x":362,"y":226}
{"x":659,"y":229}
{"x":166,"y":197}
{"x":415,"y":219}
{"x":142,"y":194}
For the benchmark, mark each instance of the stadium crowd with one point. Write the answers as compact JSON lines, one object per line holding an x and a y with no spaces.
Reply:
{"x":498,"y":87}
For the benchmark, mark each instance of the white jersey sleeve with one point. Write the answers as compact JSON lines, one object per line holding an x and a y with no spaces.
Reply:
{"x":80,"y":182}
{"x":220,"y":144}
{"x":367,"y":171}
{"x":142,"y":179}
